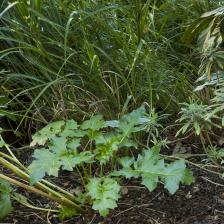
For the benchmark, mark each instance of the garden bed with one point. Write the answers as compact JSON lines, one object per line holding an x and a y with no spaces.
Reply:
{"x":201,"y":203}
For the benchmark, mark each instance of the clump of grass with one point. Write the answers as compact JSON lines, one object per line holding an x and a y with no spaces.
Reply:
{"x":64,"y":59}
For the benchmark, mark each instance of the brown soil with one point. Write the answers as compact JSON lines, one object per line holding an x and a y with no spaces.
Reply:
{"x":201,"y":203}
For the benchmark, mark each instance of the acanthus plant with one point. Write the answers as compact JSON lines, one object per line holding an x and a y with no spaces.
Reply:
{"x":99,"y":152}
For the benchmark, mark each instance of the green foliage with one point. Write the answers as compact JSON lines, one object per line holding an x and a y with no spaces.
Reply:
{"x":128,"y":123}
{"x":152,"y":169}
{"x":106,"y":147}
{"x":4,"y":111}
{"x":88,"y":62}
{"x":195,"y":117}
{"x":65,"y":59}
{"x":63,"y":140}
{"x":104,"y":192}
{"x":50,"y":131}
{"x":67,"y":212}
{"x":209,"y":30}
{"x":216,"y":154}
{"x":5,"y":202}
{"x":217,"y":105}
{"x":98,"y":143}
{"x":95,"y":123}
{"x":59,"y":154}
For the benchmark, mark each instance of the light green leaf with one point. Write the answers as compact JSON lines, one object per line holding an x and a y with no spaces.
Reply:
{"x":187,"y":177}
{"x":74,"y":143}
{"x":70,"y":161}
{"x":153,"y":170}
{"x":58,"y":145}
{"x":127,"y":143}
{"x":49,"y":161}
{"x":103,"y":205}
{"x":71,"y":130}
{"x":105,"y":193}
{"x":71,"y":125}
{"x":48,"y":132}
{"x":95,"y":123}
{"x":5,"y":202}
{"x":174,"y":173}
{"x":46,"y":162}
{"x":197,"y":128}
{"x":129,"y":122}
{"x":105,"y":150}
{"x":112,"y":123}
{"x":2,"y":143}
{"x":150,"y":177}
{"x":127,"y":171}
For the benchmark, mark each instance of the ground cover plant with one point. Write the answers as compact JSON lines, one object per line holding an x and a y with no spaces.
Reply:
{"x":88,"y":149}
{"x":108,"y":93}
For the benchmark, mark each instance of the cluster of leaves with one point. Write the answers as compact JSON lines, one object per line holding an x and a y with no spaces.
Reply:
{"x":5,"y":202}
{"x":152,"y":169}
{"x":67,"y":145}
{"x":216,"y":154}
{"x":64,"y":148}
{"x":196,"y":117}
{"x":105,"y":193}
{"x":61,"y":151}
{"x":78,"y":47}
{"x":210,"y":31}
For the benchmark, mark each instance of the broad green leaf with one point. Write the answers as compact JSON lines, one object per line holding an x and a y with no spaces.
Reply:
{"x":127,"y":143}
{"x":95,"y":123}
{"x":108,"y":146}
{"x":153,"y":170}
{"x":5,"y":202}
{"x":74,"y":143}
{"x":46,"y":162}
{"x":70,"y":161}
{"x":71,"y":125}
{"x":49,"y":161}
{"x":105,"y":193}
{"x":71,"y":130}
{"x":112,"y":123}
{"x":96,"y":136}
{"x":5,"y":187}
{"x":128,"y":122}
{"x":150,"y":177}
{"x":103,"y":205}
{"x":127,"y":171}
{"x":149,"y":167}
{"x":58,"y":145}
{"x":127,"y":162}
{"x":174,"y":173}
{"x":48,"y":132}
{"x":5,"y":205}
